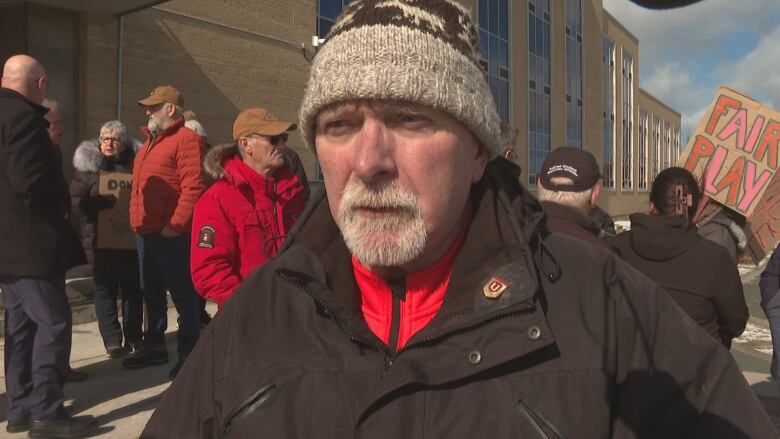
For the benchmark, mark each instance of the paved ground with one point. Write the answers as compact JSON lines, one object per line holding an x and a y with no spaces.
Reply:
{"x":123,"y":400}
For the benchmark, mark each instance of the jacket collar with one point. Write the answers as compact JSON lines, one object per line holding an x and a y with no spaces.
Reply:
{"x":171,"y":130}
{"x":571,"y":215}
{"x":506,"y":221}
{"x":16,"y":95}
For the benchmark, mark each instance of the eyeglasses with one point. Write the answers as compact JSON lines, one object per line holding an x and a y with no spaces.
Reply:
{"x":273,"y":140}
{"x":110,"y":140}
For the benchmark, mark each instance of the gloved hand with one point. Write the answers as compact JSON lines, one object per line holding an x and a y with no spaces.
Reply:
{"x":103,"y":201}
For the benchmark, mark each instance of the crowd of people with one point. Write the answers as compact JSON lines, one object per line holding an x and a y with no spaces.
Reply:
{"x":424,"y":293}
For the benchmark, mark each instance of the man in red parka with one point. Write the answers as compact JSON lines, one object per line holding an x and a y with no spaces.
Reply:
{"x":242,"y":220}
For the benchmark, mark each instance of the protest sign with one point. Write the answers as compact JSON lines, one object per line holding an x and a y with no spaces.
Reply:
{"x":763,"y":227}
{"x":113,"y":226}
{"x":735,"y":150}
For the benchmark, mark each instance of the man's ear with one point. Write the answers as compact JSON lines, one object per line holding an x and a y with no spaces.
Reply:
{"x":480,"y":161}
{"x":595,"y":194}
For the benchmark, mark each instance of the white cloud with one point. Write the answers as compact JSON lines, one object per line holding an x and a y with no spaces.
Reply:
{"x":672,"y":83}
{"x":685,"y":54}
{"x":694,"y":29}
{"x":758,"y":72}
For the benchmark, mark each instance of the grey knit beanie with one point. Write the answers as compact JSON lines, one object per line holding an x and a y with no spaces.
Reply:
{"x":420,"y":51}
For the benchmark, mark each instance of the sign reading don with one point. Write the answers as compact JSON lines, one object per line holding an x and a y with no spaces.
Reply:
{"x":735,"y":147}
{"x":113,"y":226}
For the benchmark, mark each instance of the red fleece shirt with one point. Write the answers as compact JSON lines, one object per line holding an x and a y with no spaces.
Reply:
{"x":425,"y":291}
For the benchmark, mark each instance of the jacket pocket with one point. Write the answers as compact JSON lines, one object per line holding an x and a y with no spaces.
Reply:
{"x":248,"y":406}
{"x":542,"y":426}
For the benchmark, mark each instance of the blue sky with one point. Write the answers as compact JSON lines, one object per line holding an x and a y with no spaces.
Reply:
{"x":686,"y":54}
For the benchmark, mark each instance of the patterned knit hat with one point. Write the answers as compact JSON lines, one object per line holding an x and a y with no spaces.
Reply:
{"x":420,"y":51}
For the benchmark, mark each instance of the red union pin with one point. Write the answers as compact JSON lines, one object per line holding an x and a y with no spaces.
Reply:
{"x":494,"y":288}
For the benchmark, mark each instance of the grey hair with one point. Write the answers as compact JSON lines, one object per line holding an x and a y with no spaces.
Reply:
{"x":578,"y":200}
{"x":116,"y":127}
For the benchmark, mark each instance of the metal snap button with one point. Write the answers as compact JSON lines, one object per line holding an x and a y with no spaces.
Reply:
{"x":534,"y":332}
{"x":475,"y":357}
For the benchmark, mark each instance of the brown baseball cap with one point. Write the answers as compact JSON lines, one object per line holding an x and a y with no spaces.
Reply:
{"x":575,"y":164}
{"x":259,"y":121}
{"x":163,"y":93}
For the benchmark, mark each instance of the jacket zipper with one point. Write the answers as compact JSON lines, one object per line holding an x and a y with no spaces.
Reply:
{"x":398,"y":290}
{"x":540,"y":424}
{"x":391,"y":354}
{"x":248,"y":406}
{"x":357,"y":340}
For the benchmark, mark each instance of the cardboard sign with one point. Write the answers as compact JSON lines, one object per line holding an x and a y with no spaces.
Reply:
{"x":763,"y":227}
{"x":735,"y":149}
{"x":113,"y":226}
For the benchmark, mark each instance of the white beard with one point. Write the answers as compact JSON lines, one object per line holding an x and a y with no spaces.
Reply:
{"x":153,"y":126}
{"x":390,"y":240}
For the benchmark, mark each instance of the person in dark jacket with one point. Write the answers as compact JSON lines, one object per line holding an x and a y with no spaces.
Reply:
{"x":722,"y":226}
{"x":770,"y":303}
{"x":698,"y":274}
{"x":33,"y":258}
{"x":113,"y":269}
{"x":423,"y":296}
{"x":241,"y":221}
{"x":569,"y":186}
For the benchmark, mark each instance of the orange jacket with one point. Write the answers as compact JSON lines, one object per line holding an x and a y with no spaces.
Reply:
{"x":166,"y":180}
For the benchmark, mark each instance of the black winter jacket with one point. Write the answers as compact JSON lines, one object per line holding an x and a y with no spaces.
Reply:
{"x":697,"y":273}
{"x":770,"y":278}
{"x":34,"y":202}
{"x":88,"y":162}
{"x":580,"y":345}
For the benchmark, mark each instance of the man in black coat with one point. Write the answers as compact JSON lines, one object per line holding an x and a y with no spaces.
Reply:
{"x":33,"y":257}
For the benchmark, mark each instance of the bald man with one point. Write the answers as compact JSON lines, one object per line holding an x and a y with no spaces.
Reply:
{"x":33,"y":257}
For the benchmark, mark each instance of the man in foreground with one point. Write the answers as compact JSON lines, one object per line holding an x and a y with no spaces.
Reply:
{"x":34,"y":252}
{"x":423,"y":297}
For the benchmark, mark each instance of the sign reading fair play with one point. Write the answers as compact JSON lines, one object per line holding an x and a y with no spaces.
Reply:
{"x":736,"y":148}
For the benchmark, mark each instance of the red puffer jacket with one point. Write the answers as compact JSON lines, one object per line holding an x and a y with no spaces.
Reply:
{"x":166,"y":180}
{"x":239,"y":222}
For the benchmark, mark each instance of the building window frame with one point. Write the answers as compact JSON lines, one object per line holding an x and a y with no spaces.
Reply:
{"x":495,"y":49}
{"x":642,"y":151}
{"x":608,"y":115}
{"x":656,"y":145}
{"x":540,"y":90}
{"x":667,"y":144}
{"x":627,"y":161}
{"x":573,"y":71}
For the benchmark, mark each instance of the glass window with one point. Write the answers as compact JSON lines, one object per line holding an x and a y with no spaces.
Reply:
{"x":667,"y":145}
{"x":327,"y":12}
{"x":642,"y":184}
{"x":608,"y":60}
{"x":573,"y":74}
{"x":494,"y":50}
{"x":539,"y":86}
{"x":627,"y":123}
{"x":656,"y":145}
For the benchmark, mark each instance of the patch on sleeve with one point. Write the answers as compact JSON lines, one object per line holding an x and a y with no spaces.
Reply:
{"x":206,"y":237}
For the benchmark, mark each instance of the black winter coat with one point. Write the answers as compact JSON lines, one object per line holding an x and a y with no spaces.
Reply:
{"x":86,"y":201}
{"x":580,"y":345}
{"x":697,"y":273}
{"x":34,"y":202}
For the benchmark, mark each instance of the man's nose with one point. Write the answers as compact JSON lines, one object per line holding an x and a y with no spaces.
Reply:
{"x":374,"y":157}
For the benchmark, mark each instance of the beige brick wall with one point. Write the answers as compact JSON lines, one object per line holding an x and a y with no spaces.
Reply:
{"x":216,"y":56}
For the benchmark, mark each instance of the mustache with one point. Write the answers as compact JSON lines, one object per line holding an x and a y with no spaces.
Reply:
{"x":393,"y":195}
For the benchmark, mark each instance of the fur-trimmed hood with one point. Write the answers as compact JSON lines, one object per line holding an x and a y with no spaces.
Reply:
{"x":215,"y":157}
{"x":88,"y":158}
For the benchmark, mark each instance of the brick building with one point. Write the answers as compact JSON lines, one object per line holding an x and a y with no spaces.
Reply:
{"x":563,"y":72}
